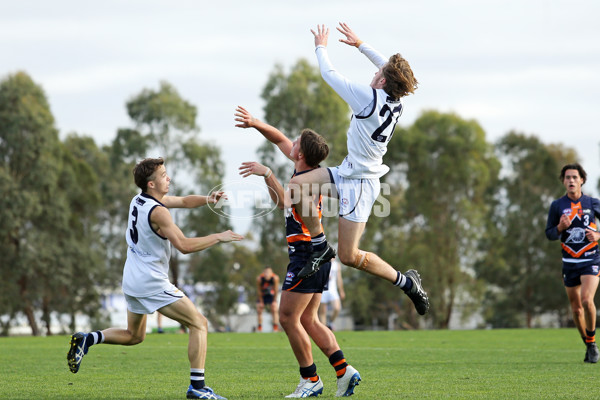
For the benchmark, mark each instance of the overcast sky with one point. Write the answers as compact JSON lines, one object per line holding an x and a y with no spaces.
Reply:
{"x":531,"y":66}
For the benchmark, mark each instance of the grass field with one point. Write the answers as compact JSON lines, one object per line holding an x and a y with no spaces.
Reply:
{"x":490,"y":364}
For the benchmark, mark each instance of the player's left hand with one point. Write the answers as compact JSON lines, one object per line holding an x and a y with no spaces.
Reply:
{"x":592,"y":235}
{"x":351,"y":38}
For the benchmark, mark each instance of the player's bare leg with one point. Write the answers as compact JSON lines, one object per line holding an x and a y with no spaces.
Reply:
{"x":275,"y":315}
{"x":579,"y":317}
{"x":184,"y":312}
{"x":134,"y":334}
{"x":260,"y":307}
{"x":81,"y":342}
{"x":589,"y":285}
{"x":321,"y":335}
{"x":349,"y":234}
{"x":291,"y":308}
{"x":574,"y":296}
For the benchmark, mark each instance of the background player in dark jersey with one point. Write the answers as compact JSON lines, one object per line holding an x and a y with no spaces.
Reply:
{"x":572,"y":218}
{"x":267,"y":285}
{"x":300,"y":298}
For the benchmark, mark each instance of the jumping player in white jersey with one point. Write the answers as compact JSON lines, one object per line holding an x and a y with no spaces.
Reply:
{"x":376,"y":109}
{"x":150,"y":232}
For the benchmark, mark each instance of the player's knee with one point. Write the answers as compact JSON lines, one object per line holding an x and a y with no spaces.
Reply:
{"x":136,"y":339}
{"x":356,"y":259}
{"x":587,"y":303}
{"x":285,"y":319}
{"x":307,"y":320}
{"x":199,"y":322}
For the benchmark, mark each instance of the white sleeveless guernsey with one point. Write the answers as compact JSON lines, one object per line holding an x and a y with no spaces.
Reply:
{"x":146,"y":270}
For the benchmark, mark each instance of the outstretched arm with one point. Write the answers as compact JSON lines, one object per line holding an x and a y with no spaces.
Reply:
{"x":272,"y":134}
{"x":275,"y":189}
{"x":357,"y":96}
{"x":163,"y":223}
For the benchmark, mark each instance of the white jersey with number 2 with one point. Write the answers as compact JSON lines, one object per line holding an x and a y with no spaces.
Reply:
{"x":374,"y":118}
{"x":146,"y":270}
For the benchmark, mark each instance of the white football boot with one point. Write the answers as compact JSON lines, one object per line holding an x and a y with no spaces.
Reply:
{"x":347,"y":382}
{"x":307,"y":388}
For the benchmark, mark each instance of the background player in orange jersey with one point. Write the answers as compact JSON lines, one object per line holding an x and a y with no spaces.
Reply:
{"x":267,"y":286}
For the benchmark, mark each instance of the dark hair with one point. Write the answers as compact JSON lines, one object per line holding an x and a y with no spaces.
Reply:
{"x":399,"y":78}
{"x":143,"y":171}
{"x":314,"y":147}
{"x":576,"y":166}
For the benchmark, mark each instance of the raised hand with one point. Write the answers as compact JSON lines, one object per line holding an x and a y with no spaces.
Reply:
{"x":245,"y":119}
{"x":321,"y":35}
{"x":351,"y":38}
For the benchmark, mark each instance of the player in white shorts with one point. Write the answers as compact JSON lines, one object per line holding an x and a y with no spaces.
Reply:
{"x":376,"y":109}
{"x":150,"y":233}
{"x":331,"y":300}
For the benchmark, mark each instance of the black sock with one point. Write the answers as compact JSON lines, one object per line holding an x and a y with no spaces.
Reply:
{"x":309,"y":372}
{"x":338,"y":362}
{"x":94,"y":338}
{"x":404,"y":283}
{"x":319,"y":242}
{"x":591,"y":336}
{"x":197,"y":378}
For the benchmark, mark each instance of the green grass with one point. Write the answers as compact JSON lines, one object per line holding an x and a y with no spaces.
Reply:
{"x":493,"y":364}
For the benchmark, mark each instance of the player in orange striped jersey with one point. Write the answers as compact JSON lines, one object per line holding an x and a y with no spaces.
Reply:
{"x":572,"y":218}
{"x":300,"y":298}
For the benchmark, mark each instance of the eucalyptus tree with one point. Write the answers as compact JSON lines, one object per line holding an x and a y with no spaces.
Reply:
{"x":449,"y":169}
{"x":43,"y":208}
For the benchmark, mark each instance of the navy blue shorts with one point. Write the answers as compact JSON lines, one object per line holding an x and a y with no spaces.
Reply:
{"x":313,"y":284}
{"x":268,"y":299}
{"x":572,"y":272}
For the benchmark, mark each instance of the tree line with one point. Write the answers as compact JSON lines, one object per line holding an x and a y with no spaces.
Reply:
{"x":469,"y":214}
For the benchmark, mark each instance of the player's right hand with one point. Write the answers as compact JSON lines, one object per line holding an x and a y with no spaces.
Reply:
{"x":229,"y":236}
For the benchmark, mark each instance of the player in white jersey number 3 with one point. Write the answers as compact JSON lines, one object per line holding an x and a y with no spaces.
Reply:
{"x":376,"y":109}
{"x":150,"y":233}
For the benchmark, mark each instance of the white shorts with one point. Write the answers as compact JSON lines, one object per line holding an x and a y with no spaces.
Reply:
{"x":329,"y":296}
{"x":356,"y":196}
{"x":147,"y":305}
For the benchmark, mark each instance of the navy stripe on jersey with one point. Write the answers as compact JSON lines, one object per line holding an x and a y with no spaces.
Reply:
{"x":143,"y":194}
{"x":372,"y":109}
